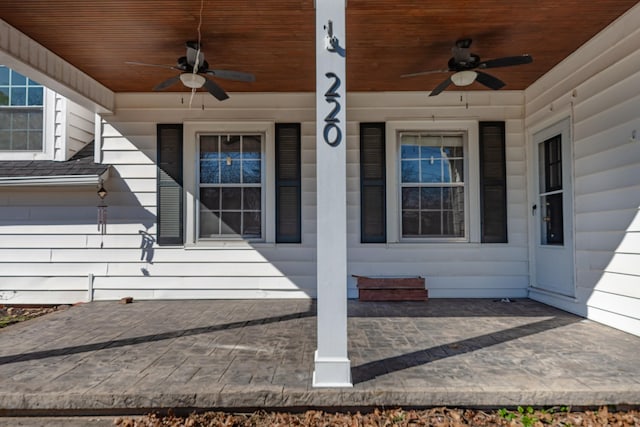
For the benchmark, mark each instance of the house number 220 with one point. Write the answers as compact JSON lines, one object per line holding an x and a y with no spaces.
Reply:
{"x":332,"y":133}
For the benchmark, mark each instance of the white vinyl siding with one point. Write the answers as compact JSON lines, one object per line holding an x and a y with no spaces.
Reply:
{"x":598,"y":87}
{"x":120,"y":264}
{"x":453,"y":268}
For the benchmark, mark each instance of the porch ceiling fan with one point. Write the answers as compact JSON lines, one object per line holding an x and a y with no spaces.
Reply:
{"x":466,"y":65}
{"x":193,"y":69}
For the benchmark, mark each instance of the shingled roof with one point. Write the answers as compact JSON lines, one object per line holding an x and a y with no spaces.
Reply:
{"x":79,"y":169}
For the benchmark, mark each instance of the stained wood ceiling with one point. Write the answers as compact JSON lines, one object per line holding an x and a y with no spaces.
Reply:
{"x":274,"y":39}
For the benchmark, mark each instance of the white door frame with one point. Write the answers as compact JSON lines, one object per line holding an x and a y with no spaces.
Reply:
{"x":559,"y":124}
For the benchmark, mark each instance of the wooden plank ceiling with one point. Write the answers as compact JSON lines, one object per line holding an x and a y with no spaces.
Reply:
{"x":274,"y":39}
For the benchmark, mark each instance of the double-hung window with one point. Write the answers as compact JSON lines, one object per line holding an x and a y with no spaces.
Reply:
{"x":230,"y":186}
{"x":432,"y":182}
{"x":21,"y":112}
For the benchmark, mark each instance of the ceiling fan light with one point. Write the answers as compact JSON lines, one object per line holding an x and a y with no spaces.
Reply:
{"x":464,"y":78}
{"x":192,"y":80}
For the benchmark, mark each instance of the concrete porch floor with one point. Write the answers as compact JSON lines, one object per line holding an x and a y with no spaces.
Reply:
{"x":105,"y":356}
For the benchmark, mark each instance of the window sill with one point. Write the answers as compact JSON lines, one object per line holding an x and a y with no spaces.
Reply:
{"x":227,"y":244}
{"x":432,"y":244}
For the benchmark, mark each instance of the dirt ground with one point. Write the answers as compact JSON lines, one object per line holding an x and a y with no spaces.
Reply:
{"x":437,"y":417}
{"x":10,"y":315}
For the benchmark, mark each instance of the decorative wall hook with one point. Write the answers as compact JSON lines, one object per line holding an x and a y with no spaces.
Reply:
{"x":331,"y":42}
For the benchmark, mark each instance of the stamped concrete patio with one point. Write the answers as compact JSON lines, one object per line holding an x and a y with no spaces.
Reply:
{"x":105,"y":356}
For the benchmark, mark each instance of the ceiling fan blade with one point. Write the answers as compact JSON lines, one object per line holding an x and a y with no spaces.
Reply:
{"x":215,"y":90}
{"x":507,"y":61}
{"x":489,"y":81}
{"x":165,"y":84}
{"x":232,"y":75}
{"x":442,"y":86}
{"x":423,"y":73}
{"x":169,"y":67}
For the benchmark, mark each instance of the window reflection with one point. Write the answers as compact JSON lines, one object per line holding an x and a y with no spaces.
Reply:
{"x":432,"y":180}
{"x":230,"y":186}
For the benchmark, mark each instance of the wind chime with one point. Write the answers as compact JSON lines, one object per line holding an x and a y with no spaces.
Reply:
{"x":102,"y":212}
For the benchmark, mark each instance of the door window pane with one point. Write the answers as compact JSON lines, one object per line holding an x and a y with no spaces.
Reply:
{"x":551,"y":194}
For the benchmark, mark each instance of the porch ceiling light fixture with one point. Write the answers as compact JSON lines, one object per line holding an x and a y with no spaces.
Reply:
{"x":464,"y":78}
{"x":192,"y":80}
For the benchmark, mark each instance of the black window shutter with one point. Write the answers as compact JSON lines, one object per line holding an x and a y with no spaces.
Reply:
{"x":170,"y":192}
{"x":373,"y":222}
{"x":493,"y":182}
{"x":288,"y":183}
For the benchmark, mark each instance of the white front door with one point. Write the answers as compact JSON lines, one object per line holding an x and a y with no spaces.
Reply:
{"x":553,"y":210}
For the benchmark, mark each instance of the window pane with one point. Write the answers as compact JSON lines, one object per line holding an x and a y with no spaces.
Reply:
{"x":4,"y":75}
{"x":19,"y":120}
{"x":18,"y":79}
{"x":251,"y":171}
{"x":251,"y":199}
{"x":431,"y":171}
{"x":209,"y":172}
{"x":251,"y":147}
{"x":35,"y":96}
{"x":410,"y":198}
{"x":18,"y":96}
{"x":230,"y":171}
{"x":230,"y":147}
{"x":210,"y":198}
{"x":35,"y":140}
{"x":410,"y":223}
{"x":209,"y":147}
{"x":453,"y":224}
{"x":427,"y":152}
{"x":5,"y":139}
{"x":231,"y":223}
{"x":453,"y":198}
{"x":430,"y":223}
{"x":410,"y":171}
{"x":5,"y":119}
{"x":4,"y":96}
{"x":209,"y":224}
{"x":35,"y":120}
{"x":434,"y":206}
{"x":251,"y":224}
{"x":453,"y":170}
{"x":20,"y":141}
{"x":430,"y":198}
{"x":410,"y":151}
{"x":231,"y":198}
{"x":231,"y":166}
{"x":452,"y":151}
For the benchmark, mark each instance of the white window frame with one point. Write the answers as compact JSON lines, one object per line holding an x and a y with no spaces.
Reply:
{"x":191,"y":166}
{"x":48,"y":132}
{"x":469,"y":131}
{"x":232,"y":185}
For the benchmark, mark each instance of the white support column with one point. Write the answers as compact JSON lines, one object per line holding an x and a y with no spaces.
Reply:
{"x":332,"y":365}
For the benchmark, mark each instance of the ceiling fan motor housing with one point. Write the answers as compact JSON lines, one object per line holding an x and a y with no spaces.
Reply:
{"x":469,"y":63}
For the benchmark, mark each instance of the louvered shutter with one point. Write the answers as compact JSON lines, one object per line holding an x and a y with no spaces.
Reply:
{"x":493,"y":182}
{"x":288,"y":183}
{"x":170,"y":191}
{"x":372,"y":183}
